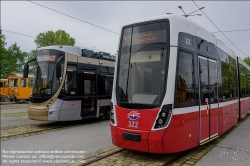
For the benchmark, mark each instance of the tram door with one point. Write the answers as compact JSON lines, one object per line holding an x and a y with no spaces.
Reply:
{"x":88,"y":92}
{"x":209,"y":110}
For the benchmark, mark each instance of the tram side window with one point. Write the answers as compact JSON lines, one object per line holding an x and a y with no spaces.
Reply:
{"x":30,"y":82}
{"x":89,"y":83}
{"x":225,"y":82}
{"x":1,"y":84}
{"x":242,"y":85}
{"x":233,"y":83}
{"x":108,"y":85}
{"x":229,"y":83}
{"x":246,"y":83}
{"x":13,"y":82}
{"x":23,"y":82}
{"x":185,"y":85}
{"x":243,"y":77}
{"x":89,"y":87}
{"x":70,"y":80}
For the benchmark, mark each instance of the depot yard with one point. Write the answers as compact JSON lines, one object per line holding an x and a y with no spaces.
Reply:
{"x":91,"y":136}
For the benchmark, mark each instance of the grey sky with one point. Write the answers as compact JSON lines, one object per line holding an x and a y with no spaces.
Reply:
{"x":27,"y":18}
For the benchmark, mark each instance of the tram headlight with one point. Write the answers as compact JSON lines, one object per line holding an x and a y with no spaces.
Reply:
{"x":160,"y":121}
{"x":112,"y":118}
{"x":164,"y":116}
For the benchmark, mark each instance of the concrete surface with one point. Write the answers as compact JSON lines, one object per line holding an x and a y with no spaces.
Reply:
{"x":234,"y":150}
{"x":89,"y":138}
{"x":8,"y":122}
{"x":9,"y":110}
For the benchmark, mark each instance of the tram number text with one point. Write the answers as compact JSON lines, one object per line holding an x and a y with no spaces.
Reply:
{"x":133,"y":124}
{"x":188,"y":41}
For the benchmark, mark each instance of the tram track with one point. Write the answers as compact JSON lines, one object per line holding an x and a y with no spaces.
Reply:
{"x":13,"y":115}
{"x":98,"y":158}
{"x":118,"y":156}
{"x":7,"y":105}
{"x":127,"y":157}
{"x":8,"y":133}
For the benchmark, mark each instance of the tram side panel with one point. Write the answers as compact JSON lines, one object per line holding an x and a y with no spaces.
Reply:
{"x":248,"y":104}
{"x":70,"y":110}
{"x":182,"y":132}
{"x":228,"y":115}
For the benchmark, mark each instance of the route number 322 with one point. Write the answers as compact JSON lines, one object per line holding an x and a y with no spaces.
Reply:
{"x":133,"y":124}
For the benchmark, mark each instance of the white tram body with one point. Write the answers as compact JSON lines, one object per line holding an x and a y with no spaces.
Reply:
{"x":71,"y":84}
{"x":201,"y":91}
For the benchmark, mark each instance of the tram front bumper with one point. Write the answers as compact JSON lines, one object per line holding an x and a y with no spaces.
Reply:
{"x":38,"y":114}
{"x":145,"y":141}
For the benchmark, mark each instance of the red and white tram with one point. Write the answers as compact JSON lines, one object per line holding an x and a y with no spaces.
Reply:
{"x":175,"y":87}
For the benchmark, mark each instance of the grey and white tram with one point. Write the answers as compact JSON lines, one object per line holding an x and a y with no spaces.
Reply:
{"x":70,"y":84}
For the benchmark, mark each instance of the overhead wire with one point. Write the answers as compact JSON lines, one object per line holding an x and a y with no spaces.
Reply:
{"x":35,"y":37}
{"x":237,"y":30}
{"x":19,"y":33}
{"x":73,"y":17}
{"x":118,"y":33}
{"x":220,"y":30}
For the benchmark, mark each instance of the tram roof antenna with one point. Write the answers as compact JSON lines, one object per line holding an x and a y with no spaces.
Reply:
{"x":186,"y":15}
{"x":182,"y":10}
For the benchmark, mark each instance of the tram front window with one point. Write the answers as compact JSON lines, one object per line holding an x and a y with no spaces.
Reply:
{"x":142,"y":63}
{"x":46,"y":82}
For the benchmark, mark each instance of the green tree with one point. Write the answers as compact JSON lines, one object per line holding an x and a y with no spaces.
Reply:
{"x":13,"y":60}
{"x":2,"y":38}
{"x":3,"y":55}
{"x":247,"y":60}
{"x":49,"y":38}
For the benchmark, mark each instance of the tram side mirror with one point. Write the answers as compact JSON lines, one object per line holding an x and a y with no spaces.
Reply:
{"x":26,"y":70}
{"x":58,"y":70}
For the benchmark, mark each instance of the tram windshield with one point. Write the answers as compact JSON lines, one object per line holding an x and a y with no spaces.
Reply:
{"x":141,"y":66}
{"x":46,"y":82}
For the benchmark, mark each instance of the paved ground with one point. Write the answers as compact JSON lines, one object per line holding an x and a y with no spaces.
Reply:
{"x":8,"y":122}
{"x":14,"y":109}
{"x":89,"y":138}
{"x":12,"y":103}
{"x":234,"y":150}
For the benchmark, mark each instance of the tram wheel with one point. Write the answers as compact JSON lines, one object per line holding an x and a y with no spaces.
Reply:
{"x":107,"y":114}
{"x":21,"y":101}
